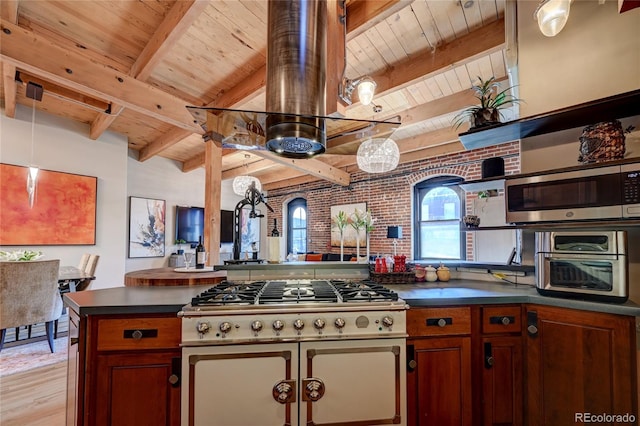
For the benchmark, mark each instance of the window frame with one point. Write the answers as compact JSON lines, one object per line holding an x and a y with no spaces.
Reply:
{"x":291,"y":207}
{"x":419,"y":191}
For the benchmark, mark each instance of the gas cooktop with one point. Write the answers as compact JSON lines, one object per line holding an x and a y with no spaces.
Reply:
{"x":293,"y":292}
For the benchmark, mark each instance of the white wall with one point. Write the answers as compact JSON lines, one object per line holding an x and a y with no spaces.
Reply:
{"x":63,"y":145}
{"x":596,"y":55}
{"x":163,"y":179}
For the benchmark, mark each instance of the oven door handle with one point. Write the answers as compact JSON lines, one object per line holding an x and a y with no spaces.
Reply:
{"x":284,"y":391}
{"x":313,"y":389}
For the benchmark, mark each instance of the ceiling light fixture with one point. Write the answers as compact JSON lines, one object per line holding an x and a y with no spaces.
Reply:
{"x":378,"y":155}
{"x":552,"y":15}
{"x":365,"y":84}
{"x":34,"y":91}
{"x":366,"y":89}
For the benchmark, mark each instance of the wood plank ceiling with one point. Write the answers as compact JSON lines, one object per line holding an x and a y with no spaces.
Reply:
{"x":132,"y":67}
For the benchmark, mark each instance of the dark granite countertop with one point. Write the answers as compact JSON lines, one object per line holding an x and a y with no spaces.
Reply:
{"x":132,"y":300}
{"x":467,"y":292}
{"x":145,"y":300}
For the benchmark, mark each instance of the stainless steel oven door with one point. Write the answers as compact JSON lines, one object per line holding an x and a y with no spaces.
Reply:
{"x":589,"y":277}
{"x":350,"y":382}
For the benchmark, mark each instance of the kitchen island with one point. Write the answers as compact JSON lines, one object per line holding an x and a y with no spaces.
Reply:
{"x":124,"y":354}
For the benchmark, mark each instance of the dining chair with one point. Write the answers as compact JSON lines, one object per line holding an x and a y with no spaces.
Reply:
{"x":83,"y":261}
{"x":90,"y":269}
{"x":29,"y":295}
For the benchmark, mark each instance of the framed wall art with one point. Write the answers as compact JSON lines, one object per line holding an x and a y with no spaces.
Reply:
{"x":146,"y":227}
{"x":349,"y":231}
{"x":63,"y":212}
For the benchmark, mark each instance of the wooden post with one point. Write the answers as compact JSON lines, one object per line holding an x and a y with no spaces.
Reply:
{"x":213,"y":189}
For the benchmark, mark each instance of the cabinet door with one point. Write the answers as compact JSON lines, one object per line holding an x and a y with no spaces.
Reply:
{"x":135,"y":390}
{"x":502,"y":381}
{"x":578,"y":362}
{"x":439,"y":381}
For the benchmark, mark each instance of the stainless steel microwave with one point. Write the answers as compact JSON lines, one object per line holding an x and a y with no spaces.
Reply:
{"x":590,"y":265}
{"x":609,"y":192}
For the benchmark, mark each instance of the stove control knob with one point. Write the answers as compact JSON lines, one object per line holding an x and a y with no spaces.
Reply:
{"x":387,"y":321}
{"x":225,"y":327}
{"x":277,"y":326}
{"x":298,"y":324}
{"x":256,"y":326}
{"x":339,"y":323}
{"x":318,"y":324}
{"x":203,"y":327}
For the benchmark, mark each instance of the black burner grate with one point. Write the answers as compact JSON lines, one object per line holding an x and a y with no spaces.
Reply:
{"x":284,"y":292}
{"x":363,"y":291}
{"x":229,"y":293}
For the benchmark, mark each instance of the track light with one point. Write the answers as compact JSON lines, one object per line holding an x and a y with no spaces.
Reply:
{"x":552,"y":15}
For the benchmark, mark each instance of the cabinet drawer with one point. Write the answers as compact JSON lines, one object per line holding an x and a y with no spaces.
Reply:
{"x":501,"y":319}
{"x":139,"y":333}
{"x":438,"y":321}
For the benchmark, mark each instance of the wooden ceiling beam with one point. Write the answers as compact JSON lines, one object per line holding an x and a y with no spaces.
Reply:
{"x":168,"y":139}
{"x":173,"y":27}
{"x":469,"y":47}
{"x":194,"y":162}
{"x":365,"y":14}
{"x":177,"y":22}
{"x":64,"y":93}
{"x":9,"y":12}
{"x":310,"y":166}
{"x":10,"y":89}
{"x":37,"y":55}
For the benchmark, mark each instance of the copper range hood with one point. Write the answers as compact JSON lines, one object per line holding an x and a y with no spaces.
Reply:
{"x":294,"y":124}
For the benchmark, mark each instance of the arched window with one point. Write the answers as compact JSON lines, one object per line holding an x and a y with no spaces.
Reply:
{"x":297,"y":226}
{"x":439,"y":205}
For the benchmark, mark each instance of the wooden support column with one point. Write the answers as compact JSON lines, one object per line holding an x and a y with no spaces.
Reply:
{"x":213,"y":191}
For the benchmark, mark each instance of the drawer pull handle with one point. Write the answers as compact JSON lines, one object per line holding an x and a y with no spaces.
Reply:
{"x":439,"y":322}
{"x":140,"y":334}
{"x":504,"y":320}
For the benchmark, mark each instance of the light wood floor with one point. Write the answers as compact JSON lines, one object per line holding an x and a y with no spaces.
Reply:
{"x":34,"y":398}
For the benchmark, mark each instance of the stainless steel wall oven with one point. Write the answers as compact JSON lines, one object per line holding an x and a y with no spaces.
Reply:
{"x":590,"y":265}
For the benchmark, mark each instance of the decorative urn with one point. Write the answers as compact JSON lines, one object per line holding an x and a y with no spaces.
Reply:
{"x":431,"y":274}
{"x":443,"y":273}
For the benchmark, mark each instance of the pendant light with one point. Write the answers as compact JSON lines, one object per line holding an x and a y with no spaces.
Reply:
{"x":378,"y":155}
{"x":34,"y":91}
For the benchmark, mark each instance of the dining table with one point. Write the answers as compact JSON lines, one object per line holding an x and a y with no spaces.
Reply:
{"x":70,"y":276}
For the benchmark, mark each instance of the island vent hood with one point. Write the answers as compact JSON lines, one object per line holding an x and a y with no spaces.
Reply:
{"x":295,"y":124}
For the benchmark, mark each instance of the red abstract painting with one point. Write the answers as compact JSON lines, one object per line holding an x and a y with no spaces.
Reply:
{"x":64,"y":211}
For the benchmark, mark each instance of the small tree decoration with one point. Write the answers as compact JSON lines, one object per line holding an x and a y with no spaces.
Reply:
{"x":340,"y":221}
{"x":369,"y":225}
{"x":358,"y":222}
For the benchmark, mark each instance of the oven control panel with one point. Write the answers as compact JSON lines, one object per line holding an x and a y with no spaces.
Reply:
{"x":223,"y":329}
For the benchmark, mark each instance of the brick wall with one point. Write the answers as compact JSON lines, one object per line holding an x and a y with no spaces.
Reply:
{"x":388,"y":195}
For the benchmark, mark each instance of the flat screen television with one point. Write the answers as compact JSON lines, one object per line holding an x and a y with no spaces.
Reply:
{"x":190,"y":224}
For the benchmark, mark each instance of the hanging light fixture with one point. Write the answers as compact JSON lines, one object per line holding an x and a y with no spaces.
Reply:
{"x":34,"y":91}
{"x":552,"y":15}
{"x":378,"y":155}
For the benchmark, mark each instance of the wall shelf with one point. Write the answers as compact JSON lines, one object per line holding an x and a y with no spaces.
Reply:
{"x":610,"y":108}
{"x":483,"y":185}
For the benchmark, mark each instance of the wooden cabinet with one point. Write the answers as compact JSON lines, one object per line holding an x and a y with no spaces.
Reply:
{"x":498,"y":355}
{"x":127,"y":371}
{"x":578,"y":362}
{"x":439,"y":366}
{"x":465,"y":366}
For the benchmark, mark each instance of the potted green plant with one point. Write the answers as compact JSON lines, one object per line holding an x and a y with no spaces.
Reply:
{"x":179,"y":242}
{"x":492,"y":100}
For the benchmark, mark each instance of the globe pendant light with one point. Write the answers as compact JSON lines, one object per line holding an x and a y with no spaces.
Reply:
{"x":241,"y":184}
{"x":378,"y":155}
